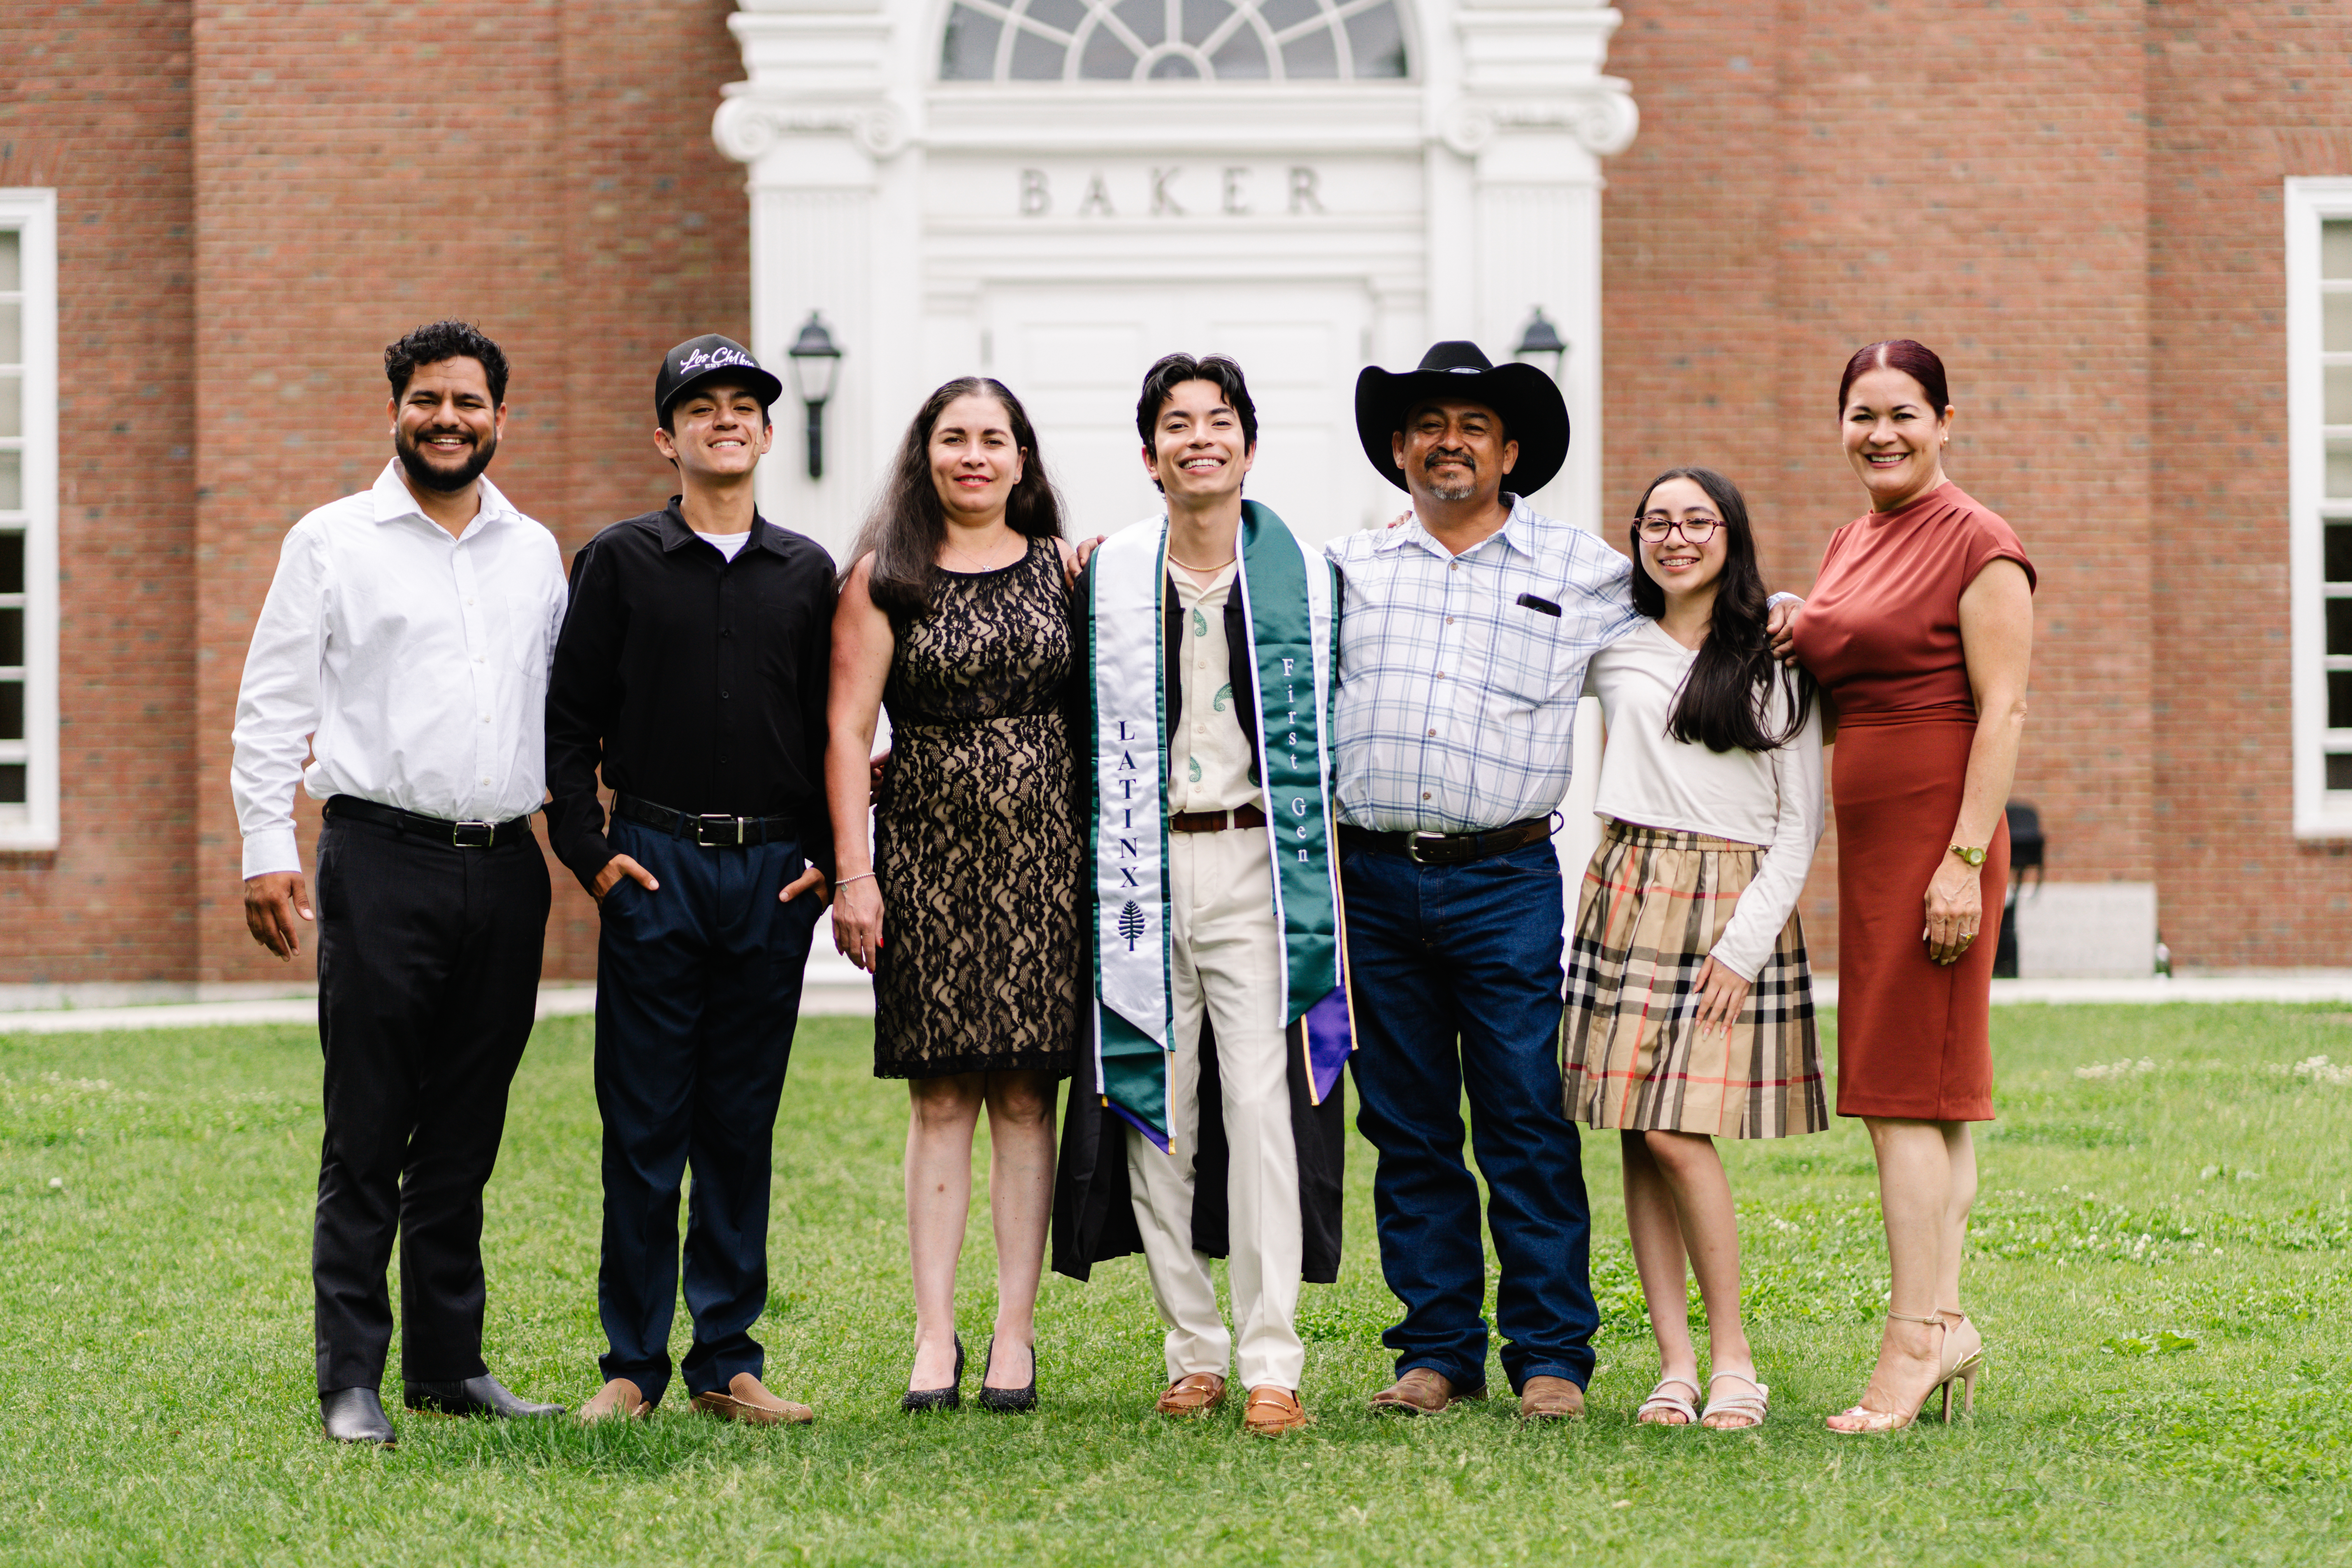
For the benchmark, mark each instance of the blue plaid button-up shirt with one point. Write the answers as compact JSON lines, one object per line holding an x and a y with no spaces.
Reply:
{"x":1459,"y":676}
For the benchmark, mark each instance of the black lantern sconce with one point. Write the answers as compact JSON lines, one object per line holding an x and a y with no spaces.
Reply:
{"x":817,"y":365}
{"x":1540,"y":341}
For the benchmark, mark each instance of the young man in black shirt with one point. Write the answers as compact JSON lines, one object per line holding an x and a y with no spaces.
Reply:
{"x":692,"y":668}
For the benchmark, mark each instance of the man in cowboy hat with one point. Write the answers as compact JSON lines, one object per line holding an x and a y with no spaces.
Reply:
{"x":1463,"y":637}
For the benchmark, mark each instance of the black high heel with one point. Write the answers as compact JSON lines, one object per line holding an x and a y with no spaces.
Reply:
{"x":947,"y":1398}
{"x":1008,"y":1401}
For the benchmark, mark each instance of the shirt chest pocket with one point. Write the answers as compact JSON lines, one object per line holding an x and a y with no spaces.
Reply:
{"x":1524,"y":648}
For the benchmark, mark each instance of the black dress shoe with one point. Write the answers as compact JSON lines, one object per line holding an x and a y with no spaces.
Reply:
{"x":947,"y":1398}
{"x":355,"y":1415}
{"x":1012,"y":1401}
{"x":483,"y":1395}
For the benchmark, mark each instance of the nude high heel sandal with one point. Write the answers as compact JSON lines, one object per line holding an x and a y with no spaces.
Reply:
{"x":1963,"y":1367}
{"x":1880,"y":1421}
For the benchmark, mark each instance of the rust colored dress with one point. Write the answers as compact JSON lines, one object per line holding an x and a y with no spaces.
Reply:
{"x":1882,"y":634}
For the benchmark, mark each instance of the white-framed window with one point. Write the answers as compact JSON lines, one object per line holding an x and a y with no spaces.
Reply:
{"x":1172,"y":40}
{"x":29,"y":518}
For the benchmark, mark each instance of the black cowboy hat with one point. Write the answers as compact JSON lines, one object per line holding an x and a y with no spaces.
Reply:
{"x":1526,"y":399}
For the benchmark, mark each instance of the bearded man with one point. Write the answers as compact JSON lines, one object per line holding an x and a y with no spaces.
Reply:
{"x":404,"y":648}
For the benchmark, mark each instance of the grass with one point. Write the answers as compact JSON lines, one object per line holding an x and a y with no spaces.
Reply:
{"x":2163,"y":1257}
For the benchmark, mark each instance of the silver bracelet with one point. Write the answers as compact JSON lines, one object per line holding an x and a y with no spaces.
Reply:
{"x":845,"y":881}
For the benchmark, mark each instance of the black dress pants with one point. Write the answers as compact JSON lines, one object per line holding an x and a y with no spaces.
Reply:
{"x":428,"y":974}
{"x":698,"y":990}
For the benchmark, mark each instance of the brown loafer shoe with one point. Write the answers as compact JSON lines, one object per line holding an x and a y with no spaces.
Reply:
{"x":619,"y":1400}
{"x":746,"y":1399}
{"x":1544,"y":1398}
{"x":1272,"y":1411}
{"x":1421,"y":1392}
{"x":1195,"y":1393}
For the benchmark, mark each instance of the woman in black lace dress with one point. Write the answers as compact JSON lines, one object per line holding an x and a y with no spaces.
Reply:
{"x":955,"y":615}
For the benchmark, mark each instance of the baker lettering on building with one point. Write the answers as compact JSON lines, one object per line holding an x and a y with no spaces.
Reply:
{"x":1302,"y":186}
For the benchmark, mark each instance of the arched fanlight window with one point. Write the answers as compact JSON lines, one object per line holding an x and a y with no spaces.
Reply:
{"x":1172,"y":40}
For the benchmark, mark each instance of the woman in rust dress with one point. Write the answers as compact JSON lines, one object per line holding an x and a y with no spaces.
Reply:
{"x":1920,"y":630}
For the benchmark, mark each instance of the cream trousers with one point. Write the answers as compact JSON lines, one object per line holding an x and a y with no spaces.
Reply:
{"x":1226,"y":961}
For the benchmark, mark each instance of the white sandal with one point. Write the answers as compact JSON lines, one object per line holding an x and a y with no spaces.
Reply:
{"x":1754,"y":1406}
{"x":1660,"y":1399}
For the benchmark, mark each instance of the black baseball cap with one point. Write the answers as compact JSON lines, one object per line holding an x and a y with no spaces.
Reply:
{"x":700,"y":359}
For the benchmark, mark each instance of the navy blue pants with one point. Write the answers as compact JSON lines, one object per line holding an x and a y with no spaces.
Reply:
{"x":1457,"y":985}
{"x":698,"y":988}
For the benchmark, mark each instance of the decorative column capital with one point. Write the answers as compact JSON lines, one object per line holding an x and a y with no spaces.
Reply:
{"x":1602,"y":117}
{"x":748,"y":126}
{"x":817,"y":68}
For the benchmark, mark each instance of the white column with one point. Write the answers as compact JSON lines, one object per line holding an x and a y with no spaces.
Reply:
{"x":826,"y":129}
{"x":1535,"y":116}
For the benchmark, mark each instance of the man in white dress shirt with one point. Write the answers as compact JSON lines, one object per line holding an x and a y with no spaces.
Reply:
{"x":404,"y":648}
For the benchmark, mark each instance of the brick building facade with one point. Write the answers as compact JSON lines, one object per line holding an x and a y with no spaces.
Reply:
{"x":2079,"y":205}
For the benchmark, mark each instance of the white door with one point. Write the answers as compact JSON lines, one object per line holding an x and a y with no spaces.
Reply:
{"x":1076,"y":357}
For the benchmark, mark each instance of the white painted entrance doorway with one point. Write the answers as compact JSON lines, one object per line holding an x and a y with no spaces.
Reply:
{"x":1059,"y":191}
{"x":1076,"y":357}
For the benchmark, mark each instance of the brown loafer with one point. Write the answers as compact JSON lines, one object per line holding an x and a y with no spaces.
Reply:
{"x":1195,"y":1393}
{"x":1421,"y":1392}
{"x":746,"y":1399}
{"x":619,"y":1400}
{"x":1272,"y":1411}
{"x":1544,"y":1398}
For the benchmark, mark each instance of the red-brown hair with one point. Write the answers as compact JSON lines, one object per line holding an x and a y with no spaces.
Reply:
{"x":1915,"y":360}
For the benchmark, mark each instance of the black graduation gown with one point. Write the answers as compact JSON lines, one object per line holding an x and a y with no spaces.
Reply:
{"x":1094,"y":1211}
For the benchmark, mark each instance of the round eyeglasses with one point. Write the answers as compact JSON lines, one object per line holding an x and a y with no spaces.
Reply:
{"x":1654,"y":526}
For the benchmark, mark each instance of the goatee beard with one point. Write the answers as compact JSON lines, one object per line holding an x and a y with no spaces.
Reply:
{"x":443,"y":481}
{"x":1450,"y":493}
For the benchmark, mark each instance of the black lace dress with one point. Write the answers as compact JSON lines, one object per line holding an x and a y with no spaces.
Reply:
{"x":975,"y":845}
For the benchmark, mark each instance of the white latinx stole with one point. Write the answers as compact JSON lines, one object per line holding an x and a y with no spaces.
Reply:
{"x":1288,"y":596}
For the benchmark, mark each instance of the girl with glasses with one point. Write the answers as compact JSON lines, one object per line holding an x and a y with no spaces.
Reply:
{"x":1690,"y":1012}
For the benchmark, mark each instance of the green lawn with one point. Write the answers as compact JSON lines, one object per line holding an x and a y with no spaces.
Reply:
{"x":2162,"y":1262}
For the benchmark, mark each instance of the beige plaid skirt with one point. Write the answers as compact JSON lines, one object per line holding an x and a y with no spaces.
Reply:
{"x":1653,"y":905}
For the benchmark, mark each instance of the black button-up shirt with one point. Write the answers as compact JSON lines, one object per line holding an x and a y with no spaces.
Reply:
{"x":695,"y":682}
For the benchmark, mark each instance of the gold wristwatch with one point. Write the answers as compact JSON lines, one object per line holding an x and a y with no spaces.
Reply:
{"x":1971,"y":856}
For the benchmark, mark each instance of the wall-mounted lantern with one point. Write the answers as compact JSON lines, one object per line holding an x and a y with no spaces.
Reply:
{"x":817,"y":365}
{"x":1541,"y":342}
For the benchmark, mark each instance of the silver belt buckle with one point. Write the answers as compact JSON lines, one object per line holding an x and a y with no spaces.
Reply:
{"x":704,"y":823}
{"x":459,"y":832}
{"x":1412,"y":848}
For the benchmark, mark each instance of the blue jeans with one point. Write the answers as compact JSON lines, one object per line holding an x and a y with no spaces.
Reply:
{"x":698,"y":988}
{"x":1456,"y":978}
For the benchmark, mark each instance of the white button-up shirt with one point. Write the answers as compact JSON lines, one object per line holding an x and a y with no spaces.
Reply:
{"x":412,"y":666}
{"x":1459,"y":675}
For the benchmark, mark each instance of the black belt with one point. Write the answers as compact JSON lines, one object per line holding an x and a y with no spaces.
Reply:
{"x":457,"y":834}
{"x":1448,"y":849}
{"x":709,"y":831}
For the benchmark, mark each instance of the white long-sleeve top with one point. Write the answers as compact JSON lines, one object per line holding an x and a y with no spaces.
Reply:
{"x":410,"y":666}
{"x":1649,"y":779}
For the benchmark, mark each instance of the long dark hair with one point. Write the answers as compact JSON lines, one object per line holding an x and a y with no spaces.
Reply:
{"x":1726,"y":696}
{"x":905,"y":529}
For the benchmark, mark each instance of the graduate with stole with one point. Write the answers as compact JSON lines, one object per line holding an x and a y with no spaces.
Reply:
{"x":1214,"y":1046}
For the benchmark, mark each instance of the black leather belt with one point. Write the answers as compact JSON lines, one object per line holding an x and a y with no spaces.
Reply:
{"x":456,"y":835}
{"x":710,"y":832}
{"x":1448,"y":849}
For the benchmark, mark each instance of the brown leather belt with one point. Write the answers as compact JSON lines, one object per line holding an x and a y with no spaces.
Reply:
{"x":1217,"y":821}
{"x":1448,"y":849}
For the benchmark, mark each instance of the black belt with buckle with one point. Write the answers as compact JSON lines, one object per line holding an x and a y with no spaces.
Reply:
{"x":708,"y":831}
{"x":1449,"y":848}
{"x":456,"y":835}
